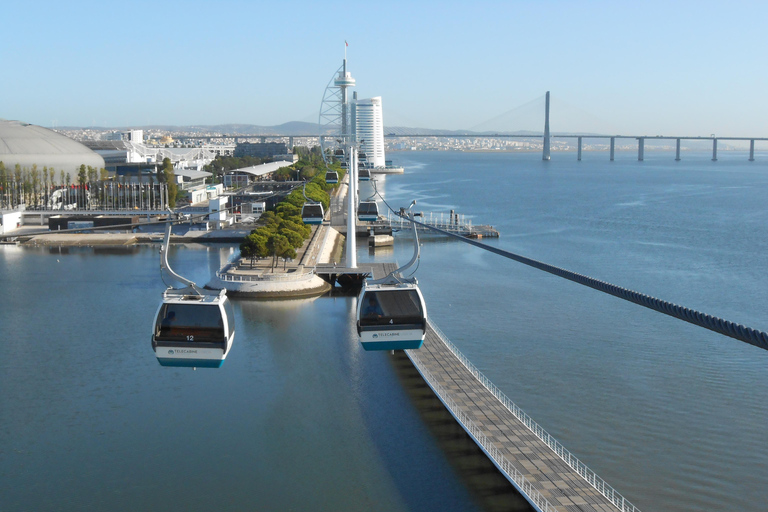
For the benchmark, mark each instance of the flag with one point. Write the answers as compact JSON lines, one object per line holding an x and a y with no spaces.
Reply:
{"x":346,"y":44}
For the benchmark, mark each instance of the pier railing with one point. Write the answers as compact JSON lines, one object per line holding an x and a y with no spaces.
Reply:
{"x":488,"y":447}
{"x":452,"y":222}
{"x":240,"y":278}
{"x":590,"y":476}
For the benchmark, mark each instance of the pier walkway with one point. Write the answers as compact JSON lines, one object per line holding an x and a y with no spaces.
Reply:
{"x":451,"y":222}
{"x":547,"y":475}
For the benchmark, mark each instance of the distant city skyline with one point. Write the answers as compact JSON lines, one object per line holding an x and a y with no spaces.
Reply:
{"x":673,"y":68}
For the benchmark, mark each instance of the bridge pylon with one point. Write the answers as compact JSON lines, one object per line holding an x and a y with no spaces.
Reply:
{"x":546,"y":156}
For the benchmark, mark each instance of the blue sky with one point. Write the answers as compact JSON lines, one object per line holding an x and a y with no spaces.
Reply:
{"x":682,"y":68}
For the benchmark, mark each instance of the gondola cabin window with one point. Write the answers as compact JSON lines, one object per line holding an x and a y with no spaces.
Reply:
{"x":190,"y":322}
{"x":395,"y":308}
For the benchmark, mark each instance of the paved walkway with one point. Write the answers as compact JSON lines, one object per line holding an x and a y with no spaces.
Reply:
{"x":523,"y":456}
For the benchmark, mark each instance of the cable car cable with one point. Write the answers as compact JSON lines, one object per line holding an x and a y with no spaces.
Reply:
{"x":725,"y":327}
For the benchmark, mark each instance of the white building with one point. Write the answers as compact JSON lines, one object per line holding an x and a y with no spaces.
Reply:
{"x":368,"y":127}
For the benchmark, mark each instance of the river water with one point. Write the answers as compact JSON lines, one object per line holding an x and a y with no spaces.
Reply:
{"x":299,"y":417}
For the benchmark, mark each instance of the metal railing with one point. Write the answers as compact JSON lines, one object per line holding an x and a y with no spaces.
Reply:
{"x":453,"y":222}
{"x":244,"y":278}
{"x":496,"y":456}
{"x":574,"y":463}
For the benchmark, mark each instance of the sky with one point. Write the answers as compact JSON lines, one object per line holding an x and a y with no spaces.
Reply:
{"x":619,"y":67}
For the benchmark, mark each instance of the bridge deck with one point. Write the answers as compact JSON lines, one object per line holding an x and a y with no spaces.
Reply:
{"x":502,"y":435}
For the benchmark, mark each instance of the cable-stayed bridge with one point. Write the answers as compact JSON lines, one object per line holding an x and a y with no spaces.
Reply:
{"x":503,"y":127}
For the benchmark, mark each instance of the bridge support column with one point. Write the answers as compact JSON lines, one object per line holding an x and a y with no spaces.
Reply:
{"x":578,"y":155}
{"x":752,"y":150}
{"x":545,"y":155}
{"x":677,"y":151}
{"x":714,"y":150}
{"x":640,"y":149}
{"x":613,"y":146}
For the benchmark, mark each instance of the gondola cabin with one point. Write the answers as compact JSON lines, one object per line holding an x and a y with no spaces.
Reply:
{"x":193,"y":330}
{"x":312,"y":213}
{"x":331,"y":177}
{"x":367,"y":211}
{"x":391,"y":316}
{"x":363,"y":175}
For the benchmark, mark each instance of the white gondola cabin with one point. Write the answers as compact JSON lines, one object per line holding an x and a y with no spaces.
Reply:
{"x":391,"y":316}
{"x":193,"y":330}
{"x":312,"y":213}
{"x":363,"y":175}
{"x":368,"y":211}
{"x":331,"y":177}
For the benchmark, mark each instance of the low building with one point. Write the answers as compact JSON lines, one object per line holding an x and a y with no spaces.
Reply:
{"x":260,"y":149}
{"x":189,"y":179}
{"x":242,"y":177}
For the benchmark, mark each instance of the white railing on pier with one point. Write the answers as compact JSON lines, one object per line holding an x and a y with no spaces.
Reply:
{"x":574,"y":463}
{"x":266,"y":276}
{"x":451,"y":222}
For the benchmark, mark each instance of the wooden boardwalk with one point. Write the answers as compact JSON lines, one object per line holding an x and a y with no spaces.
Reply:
{"x":529,"y":457}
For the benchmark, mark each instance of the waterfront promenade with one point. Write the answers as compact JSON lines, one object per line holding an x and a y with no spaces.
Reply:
{"x":547,"y":475}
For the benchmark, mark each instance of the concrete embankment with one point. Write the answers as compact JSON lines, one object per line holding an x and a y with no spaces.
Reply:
{"x":91,"y":239}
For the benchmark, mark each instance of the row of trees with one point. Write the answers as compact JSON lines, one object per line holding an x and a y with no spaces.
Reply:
{"x":34,"y":187}
{"x":282,"y":231}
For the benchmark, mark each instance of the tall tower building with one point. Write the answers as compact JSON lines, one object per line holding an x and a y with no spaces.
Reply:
{"x":343,"y":81}
{"x":369,"y":130}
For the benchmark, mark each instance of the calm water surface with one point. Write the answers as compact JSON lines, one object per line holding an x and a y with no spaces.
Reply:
{"x":671,"y":415}
{"x":299,"y":417}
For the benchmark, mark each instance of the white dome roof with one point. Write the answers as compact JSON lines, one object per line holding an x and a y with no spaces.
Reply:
{"x":27,"y":145}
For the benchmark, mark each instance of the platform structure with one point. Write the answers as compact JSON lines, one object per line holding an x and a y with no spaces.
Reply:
{"x":451,"y":222}
{"x":545,"y":473}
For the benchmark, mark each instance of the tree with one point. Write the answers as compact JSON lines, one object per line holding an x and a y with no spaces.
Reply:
{"x":284,"y":174}
{"x":277,"y":244}
{"x":254,"y":246}
{"x":287,"y":210}
{"x":288,"y":253}
{"x":3,"y":186}
{"x":294,"y":238}
{"x":35,"y":174}
{"x":170,"y":179}
{"x":308,"y":172}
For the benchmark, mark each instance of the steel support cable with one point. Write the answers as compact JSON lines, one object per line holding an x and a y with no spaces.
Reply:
{"x":713,"y":323}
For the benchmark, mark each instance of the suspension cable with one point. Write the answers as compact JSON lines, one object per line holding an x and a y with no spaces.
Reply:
{"x":725,"y":327}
